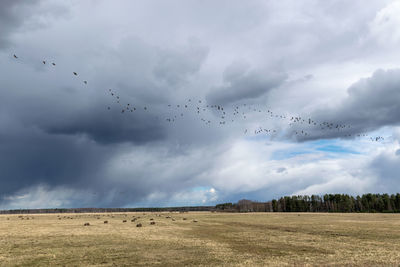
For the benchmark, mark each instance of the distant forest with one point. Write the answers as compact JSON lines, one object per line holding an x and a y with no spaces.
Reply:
{"x":105,"y":210}
{"x":314,"y":203}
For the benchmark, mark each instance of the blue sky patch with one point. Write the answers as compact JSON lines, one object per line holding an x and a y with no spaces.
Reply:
{"x":329,"y":146}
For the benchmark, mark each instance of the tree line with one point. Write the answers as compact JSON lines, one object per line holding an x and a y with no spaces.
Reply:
{"x":105,"y":210}
{"x":314,"y":203}
{"x":326,"y":203}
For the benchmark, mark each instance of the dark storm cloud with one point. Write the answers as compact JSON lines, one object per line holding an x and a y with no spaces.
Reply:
{"x":66,"y":135}
{"x":111,"y":127}
{"x":371,"y":103}
{"x":29,"y":156}
{"x":244,"y":84}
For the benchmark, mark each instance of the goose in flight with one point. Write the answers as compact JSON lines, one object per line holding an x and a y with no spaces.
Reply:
{"x":44,"y":62}
{"x":85,"y":82}
{"x":15,"y":56}
{"x":75,"y":73}
{"x":53,"y":64}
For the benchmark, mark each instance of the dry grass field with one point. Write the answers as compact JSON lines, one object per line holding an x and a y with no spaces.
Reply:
{"x":253,"y":239}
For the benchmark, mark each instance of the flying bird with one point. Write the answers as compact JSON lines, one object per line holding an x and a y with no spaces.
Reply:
{"x":15,"y":56}
{"x":75,"y":73}
{"x":53,"y":64}
{"x":85,"y":82}
{"x":44,"y":61}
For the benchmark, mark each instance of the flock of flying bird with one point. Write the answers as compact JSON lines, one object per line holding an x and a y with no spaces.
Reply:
{"x":53,"y":64}
{"x":220,"y":115}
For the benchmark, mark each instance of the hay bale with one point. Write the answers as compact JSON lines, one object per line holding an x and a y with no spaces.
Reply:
{"x":139,"y":225}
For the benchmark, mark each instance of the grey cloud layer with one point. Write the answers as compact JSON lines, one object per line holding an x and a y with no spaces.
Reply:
{"x":174,"y":66}
{"x":243,"y":84}
{"x":68,"y":137}
{"x":12,"y":15}
{"x":18,"y":16}
{"x":57,"y":134}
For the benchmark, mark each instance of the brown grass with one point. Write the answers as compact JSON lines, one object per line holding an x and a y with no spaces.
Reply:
{"x":253,"y":239}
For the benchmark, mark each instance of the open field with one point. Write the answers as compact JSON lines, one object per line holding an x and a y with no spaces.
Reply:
{"x":215,"y":239}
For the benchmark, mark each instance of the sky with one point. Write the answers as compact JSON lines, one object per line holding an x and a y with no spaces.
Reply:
{"x":310,"y":90}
